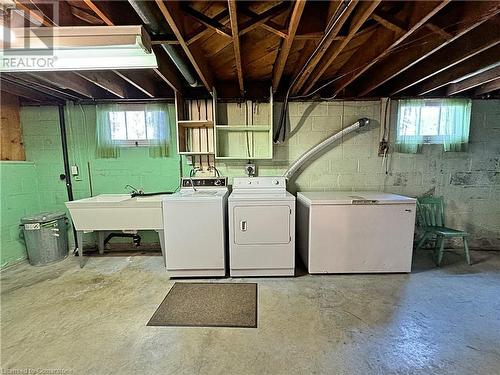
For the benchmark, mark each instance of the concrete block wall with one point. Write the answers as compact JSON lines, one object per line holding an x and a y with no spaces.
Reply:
{"x":469,"y":181}
{"x":19,"y":197}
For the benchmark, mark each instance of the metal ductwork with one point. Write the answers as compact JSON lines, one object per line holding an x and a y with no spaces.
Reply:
{"x":155,"y":26}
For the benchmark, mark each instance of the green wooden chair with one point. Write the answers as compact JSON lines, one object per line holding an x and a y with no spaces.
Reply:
{"x":430,"y":219}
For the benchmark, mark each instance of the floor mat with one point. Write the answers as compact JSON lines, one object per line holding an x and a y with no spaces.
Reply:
{"x":208,"y":305}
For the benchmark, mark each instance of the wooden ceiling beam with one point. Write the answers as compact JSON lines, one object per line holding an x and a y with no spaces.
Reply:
{"x":286,"y":44}
{"x":166,"y":69}
{"x":438,"y":30}
{"x":384,"y":41}
{"x":139,"y":81}
{"x":474,"y":81}
{"x":389,"y":21}
{"x":100,"y":14}
{"x":236,"y":43}
{"x":28,"y":92}
{"x":480,"y":39}
{"x":314,"y":61}
{"x":107,"y":81}
{"x":211,"y":23}
{"x":365,"y":10}
{"x":33,"y":15}
{"x":262,"y":18}
{"x":170,"y":13}
{"x":32,"y":82}
{"x":70,"y":81}
{"x":473,"y":15}
{"x":222,"y":17}
{"x":488,"y":87}
{"x":475,"y":65}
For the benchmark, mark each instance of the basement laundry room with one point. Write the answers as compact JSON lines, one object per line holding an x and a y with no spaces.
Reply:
{"x":249,"y":187}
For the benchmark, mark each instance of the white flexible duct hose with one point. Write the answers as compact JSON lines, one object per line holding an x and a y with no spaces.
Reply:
{"x":327,"y":142}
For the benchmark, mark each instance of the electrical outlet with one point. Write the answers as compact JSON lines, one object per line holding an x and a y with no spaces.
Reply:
{"x":250,"y":169}
{"x":383,"y":148}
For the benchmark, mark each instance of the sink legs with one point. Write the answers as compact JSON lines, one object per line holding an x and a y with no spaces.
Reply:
{"x":161,"y":234}
{"x":79,"y":239}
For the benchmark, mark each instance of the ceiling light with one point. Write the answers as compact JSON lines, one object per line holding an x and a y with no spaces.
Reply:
{"x":77,"y":48}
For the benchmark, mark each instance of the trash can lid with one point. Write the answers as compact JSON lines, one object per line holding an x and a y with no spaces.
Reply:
{"x":43,"y":217}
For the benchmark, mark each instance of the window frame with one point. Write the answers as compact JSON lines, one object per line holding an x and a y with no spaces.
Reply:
{"x":427,"y":139}
{"x":131,"y":142}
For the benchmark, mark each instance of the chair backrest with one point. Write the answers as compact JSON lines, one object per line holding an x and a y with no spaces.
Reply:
{"x":430,"y":211}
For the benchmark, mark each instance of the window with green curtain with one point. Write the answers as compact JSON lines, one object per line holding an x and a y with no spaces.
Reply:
{"x":132,"y":125}
{"x":432,"y":121}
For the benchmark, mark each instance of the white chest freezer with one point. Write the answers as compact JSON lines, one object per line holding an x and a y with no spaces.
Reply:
{"x":355,"y":232}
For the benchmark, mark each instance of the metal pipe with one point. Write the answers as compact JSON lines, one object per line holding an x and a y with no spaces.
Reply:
{"x":156,"y":27}
{"x":321,"y":146}
{"x":67,"y":172}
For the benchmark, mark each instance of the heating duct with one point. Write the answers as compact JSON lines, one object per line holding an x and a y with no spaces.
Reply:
{"x":154,"y":26}
{"x":321,"y":146}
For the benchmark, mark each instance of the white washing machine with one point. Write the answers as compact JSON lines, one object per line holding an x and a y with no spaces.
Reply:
{"x":195,"y":228}
{"x":261,"y":227}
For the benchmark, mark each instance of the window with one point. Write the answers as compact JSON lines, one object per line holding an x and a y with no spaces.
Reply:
{"x":133,"y":128}
{"x":433,"y":121}
{"x":124,"y":125}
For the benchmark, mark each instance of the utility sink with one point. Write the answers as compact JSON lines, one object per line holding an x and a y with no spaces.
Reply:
{"x":117,"y":212}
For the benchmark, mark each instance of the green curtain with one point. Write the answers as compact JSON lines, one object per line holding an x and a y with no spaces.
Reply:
{"x":455,"y":120}
{"x":106,"y":147}
{"x":158,"y":125}
{"x":408,"y":138}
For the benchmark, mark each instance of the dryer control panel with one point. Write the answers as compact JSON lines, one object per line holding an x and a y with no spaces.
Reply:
{"x":278,"y":183}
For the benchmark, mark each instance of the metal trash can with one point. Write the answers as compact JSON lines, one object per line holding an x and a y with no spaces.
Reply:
{"x":46,"y":237}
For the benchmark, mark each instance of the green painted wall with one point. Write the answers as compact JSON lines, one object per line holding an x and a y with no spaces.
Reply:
{"x":469,"y":181}
{"x":19,"y":197}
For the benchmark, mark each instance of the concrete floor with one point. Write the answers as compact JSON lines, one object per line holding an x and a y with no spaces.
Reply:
{"x":93,"y":321}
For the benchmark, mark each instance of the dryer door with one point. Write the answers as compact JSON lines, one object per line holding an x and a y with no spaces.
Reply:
{"x":261,"y":225}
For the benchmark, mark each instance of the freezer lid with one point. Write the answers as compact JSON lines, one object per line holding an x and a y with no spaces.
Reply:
{"x":352,"y":197}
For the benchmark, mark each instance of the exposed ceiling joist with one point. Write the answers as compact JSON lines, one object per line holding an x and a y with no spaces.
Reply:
{"x":211,"y":23}
{"x":400,"y":61}
{"x":107,"y":81}
{"x":383,"y":42}
{"x":474,"y":81}
{"x":438,"y":30}
{"x":389,"y":21}
{"x":473,"y":66}
{"x":27,"y":92}
{"x":364,"y":11}
{"x":222,"y":17}
{"x":34,"y":83}
{"x":268,"y":25}
{"x":488,"y":87}
{"x":332,"y":34}
{"x":480,"y":39}
{"x":34,"y":15}
{"x":99,"y":13}
{"x":139,"y":81}
{"x":286,"y":44}
{"x":170,"y":13}
{"x":70,"y":81}
{"x":263,"y":17}
{"x":166,"y":70}
{"x":236,"y":43}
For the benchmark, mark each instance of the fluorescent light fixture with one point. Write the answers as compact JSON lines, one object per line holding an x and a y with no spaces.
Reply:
{"x":77,"y":48}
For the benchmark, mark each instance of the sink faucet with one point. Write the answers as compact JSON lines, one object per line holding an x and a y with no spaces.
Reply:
{"x":135,"y":191}
{"x":192,"y":173}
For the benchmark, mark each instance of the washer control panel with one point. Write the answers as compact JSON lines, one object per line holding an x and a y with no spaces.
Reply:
{"x":204,"y":181}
